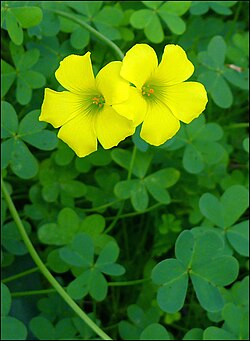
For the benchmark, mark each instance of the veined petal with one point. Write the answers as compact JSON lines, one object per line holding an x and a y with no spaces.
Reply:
{"x":75,"y":73}
{"x":186,"y":100}
{"x":111,"y":85}
{"x":138,"y":64}
{"x":159,"y":124}
{"x":174,"y":67}
{"x":60,"y":107}
{"x":111,"y":128}
{"x":134,"y":108}
{"x":79,"y":134}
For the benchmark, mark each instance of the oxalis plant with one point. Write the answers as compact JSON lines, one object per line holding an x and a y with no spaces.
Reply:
{"x":135,"y":213}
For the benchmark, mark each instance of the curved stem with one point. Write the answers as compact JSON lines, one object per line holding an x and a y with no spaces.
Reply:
{"x":42,"y":267}
{"x":132,"y":214}
{"x":91,"y":30}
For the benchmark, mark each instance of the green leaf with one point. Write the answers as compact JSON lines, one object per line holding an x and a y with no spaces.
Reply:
{"x":12,"y":240}
{"x":98,"y":286}
{"x":174,"y":279}
{"x":42,"y":328}
{"x":23,"y":90}
{"x":123,"y":189}
{"x":79,"y":287}
{"x":158,"y":193}
{"x":152,"y":4}
{"x":27,"y":16}
{"x":154,"y":331}
{"x":153,"y":30}
{"x":44,"y":140}
{"x":207,"y":293}
{"x":22,"y":162}
{"x":184,"y":247}
{"x":139,"y":196}
{"x":79,"y":38}
{"x":28,"y":59}
{"x":56,"y":263}
{"x":80,"y":252}
{"x":174,"y":23}
{"x":30,"y":124}
{"x":6,"y":300}
{"x":215,"y":333}
{"x":217,"y":50}
{"x":165,"y":177}
{"x":61,"y":233}
{"x":178,"y":8}
{"x":194,"y":334}
{"x":13,"y":329}
{"x":14,"y":29}
{"x":238,"y":236}
{"x":108,"y":255}
{"x":141,"y":18}
{"x":9,"y":122}
{"x":8,"y":75}
{"x":74,"y":188}
{"x":34,"y":79}
{"x":192,"y":159}
{"x":6,"y":150}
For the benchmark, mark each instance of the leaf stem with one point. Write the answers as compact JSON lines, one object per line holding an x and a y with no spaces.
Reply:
{"x":42,"y":267}
{"x":19,"y":275}
{"x":117,"y":217}
{"x":91,"y":30}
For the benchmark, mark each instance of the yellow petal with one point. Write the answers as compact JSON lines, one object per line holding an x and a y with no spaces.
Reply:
{"x":186,"y":100}
{"x":159,"y":124}
{"x":138,"y":64}
{"x":134,"y":108}
{"x":174,"y":67}
{"x":79,"y":134}
{"x":111,"y":85}
{"x":75,"y":73}
{"x":111,"y":128}
{"x":60,"y":107}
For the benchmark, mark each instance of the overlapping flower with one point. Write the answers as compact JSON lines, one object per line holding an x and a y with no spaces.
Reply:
{"x":122,"y":96}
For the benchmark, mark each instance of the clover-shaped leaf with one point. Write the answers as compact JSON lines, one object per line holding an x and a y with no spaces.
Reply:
{"x":138,"y":321}
{"x":201,"y":257}
{"x":31,"y":131}
{"x":155,"y":331}
{"x":156,"y":184}
{"x":63,"y":232}
{"x":150,"y":18}
{"x":90,"y":279}
{"x":225,"y":213}
{"x":16,"y":18}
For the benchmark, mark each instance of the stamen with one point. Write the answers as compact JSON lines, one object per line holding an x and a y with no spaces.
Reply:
{"x":98,"y":100}
{"x":147,"y":90}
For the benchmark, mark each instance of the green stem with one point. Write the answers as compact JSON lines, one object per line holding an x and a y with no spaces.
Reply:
{"x":123,"y":284}
{"x":238,"y":125}
{"x":42,"y":267}
{"x":19,"y":275}
{"x":117,"y":217}
{"x":32,"y":292}
{"x":91,"y":30}
{"x":94,"y":209}
{"x":132,"y":214}
{"x":51,"y":290}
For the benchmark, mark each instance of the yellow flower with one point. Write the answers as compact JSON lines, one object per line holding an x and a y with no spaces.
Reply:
{"x":85,"y":112}
{"x":160,"y":97}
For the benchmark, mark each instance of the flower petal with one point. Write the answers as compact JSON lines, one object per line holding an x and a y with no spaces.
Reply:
{"x":111,"y":128}
{"x":159,"y":124}
{"x":134,"y":108}
{"x":174,"y":67}
{"x":60,"y":107}
{"x":79,"y":134}
{"x":75,"y":73}
{"x":111,"y":85}
{"x":138,"y":64}
{"x":186,"y":100}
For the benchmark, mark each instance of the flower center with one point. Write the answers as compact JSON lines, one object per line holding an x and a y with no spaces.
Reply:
{"x":98,"y":100}
{"x":147,"y":90}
